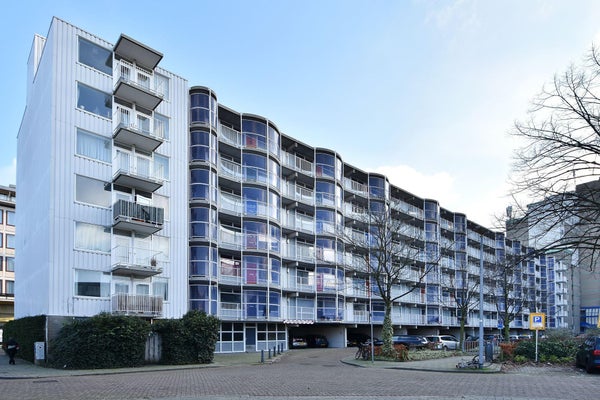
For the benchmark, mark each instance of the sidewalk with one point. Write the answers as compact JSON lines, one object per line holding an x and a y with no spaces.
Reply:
{"x":27,"y":370}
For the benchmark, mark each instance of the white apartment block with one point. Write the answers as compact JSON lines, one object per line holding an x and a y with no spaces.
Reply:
{"x":140,"y":195}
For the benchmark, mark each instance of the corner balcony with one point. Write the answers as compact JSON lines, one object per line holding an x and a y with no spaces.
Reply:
{"x":134,"y":262}
{"x":136,"y":171}
{"x":135,"y":129}
{"x":137,"y":305}
{"x":136,"y":85}
{"x":139,"y":218}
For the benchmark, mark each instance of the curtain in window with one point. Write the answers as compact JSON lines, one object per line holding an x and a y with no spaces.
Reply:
{"x":93,"y":146}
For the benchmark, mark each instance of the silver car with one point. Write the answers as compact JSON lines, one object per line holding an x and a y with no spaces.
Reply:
{"x":444,"y":342}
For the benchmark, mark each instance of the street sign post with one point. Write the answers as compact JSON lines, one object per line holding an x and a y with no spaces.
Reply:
{"x":537,"y":322}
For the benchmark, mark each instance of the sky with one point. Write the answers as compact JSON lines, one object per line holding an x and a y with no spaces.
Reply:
{"x":425,"y":92}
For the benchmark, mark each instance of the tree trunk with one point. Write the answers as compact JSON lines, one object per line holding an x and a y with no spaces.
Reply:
{"x":387,"y":350}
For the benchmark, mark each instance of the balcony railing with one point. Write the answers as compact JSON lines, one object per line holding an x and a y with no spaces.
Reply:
{"x":298,"y":164}
{"x":132,"y":128}
{"x":136,"y":85}
{"x":135,"y":262}
{"x":231,"y":311}
{"x":301,"y":313}
{"x":137,"y":304}
{"x":136,"y":217}
{"x":356,"y":187}
{"x":137,"y":171}
{"x":229,"y":135}
{"x":230,"y":170}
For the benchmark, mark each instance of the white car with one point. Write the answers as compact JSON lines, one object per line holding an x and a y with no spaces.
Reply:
{"x":444,"y":342}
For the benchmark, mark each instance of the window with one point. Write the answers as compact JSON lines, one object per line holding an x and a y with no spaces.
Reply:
{"x":94,"y":101}
{"x":92,"y":191}
{"x":92,"y":283}
{"x":1,"y":240}
{"x":10,"y":218}
{"x":93,"y":146}
{"x":10,"y":241}
{"x":1,"y":266}
{"x":10,"y":264}
{"x":161,"y":85}
{"x":10,"y":287}
{"x":161,"y":126}
{"x":161,"y":202}
{"x":160,"y":287}
{"x":92,"y":237}
{"x":161,"y":166}
{"x":1,"y":216}
{"x":95,"y":56}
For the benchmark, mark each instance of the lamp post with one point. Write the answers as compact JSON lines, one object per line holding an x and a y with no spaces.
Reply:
{"x":481,"y":302}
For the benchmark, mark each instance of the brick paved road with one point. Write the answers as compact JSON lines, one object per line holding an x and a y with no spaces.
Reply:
{"x":306,"y":374}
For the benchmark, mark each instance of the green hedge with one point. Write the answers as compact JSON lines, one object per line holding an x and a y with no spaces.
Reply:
{"x":26,"y":331}
{"x":190,"y":340}
{"x":102,"y":341}
{"x":549,"y":350}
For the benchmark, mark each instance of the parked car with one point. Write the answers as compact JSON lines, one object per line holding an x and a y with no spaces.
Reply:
{"x":299,"y":342}
{"x":443,"y":342}
{"x":317,"y":341}
{"x":410,"y":341}
{"x":354,"y":339}
{"x":588,"y":354}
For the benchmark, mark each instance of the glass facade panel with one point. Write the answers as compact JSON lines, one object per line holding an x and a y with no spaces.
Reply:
{"x":95,"y":56}
{"x":325,"y":165}
{"x":254,"y":134}
{"x":203,"y":261}
{"x":254,"y":168}
{"x":203,"y":298}
{"x":203,"y":147}
{"x":94,"y":101}
{"x":203,"y":223}
{"x":92,"y":191}
{"x":203,"y":185}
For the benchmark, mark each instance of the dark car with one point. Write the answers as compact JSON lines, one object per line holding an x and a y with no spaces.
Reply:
{"x":354,"y":339}
{"x":410,"y":341}
{"x":317,"y":341}
{"x":588,"y":354}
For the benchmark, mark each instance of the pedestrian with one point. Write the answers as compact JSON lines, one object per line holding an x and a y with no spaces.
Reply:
{"x":11,"y":348}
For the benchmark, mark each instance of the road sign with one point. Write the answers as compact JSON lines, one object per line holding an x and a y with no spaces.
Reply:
{"x":537,"y":321}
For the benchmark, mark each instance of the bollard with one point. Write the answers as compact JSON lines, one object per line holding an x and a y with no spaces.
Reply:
{"x":278,"y":348}
{"x":262,"y":356}
{"x":274,"y":354}
{"x":269,"y":352}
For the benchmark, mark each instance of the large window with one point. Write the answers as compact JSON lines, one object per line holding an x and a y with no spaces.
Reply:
{"x":10,"y":218}
{"x":10,"y":264}
{"x":203,"y":298}
{"x":92,"y":191}
{"x":92,"y":283}
{"x":1,"y":216}
{"x":10,"y":287}
{"x":92,"y":237}
{"x":161,"y":126}
{"x":95,"y":56}
{"x":10,"y":241}
{"x":160,"y":287}
{"x":254,"y":134}
{"x":94,"y":101}
{"x":93,"y":146}
{"x":161,"y":85}
{"x":202,"y":147}
{"x":161,"y":166}
{"x":203,"y":261}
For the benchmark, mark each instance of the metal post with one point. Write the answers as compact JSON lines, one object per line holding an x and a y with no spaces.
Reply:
{"x":262,"y":356}
{"x":269,"y":352}
{"x":481,"y":303}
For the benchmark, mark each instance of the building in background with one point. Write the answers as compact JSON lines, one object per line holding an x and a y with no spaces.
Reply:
{"x":7,"y":253}
{"x":142,"y":196}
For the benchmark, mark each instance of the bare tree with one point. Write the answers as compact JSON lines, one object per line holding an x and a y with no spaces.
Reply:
{"x":503,"y":287}
{"x":396,"y":257}
{"x":557,"y":166}
{"x":461,"y":291}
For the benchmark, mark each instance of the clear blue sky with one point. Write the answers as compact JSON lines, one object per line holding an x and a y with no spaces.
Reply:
{"x":423,"y":91}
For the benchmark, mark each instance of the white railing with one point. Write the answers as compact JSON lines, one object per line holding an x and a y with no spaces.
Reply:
{"x":137,"y":304}
{"x":360,"y":316}
{"x":138,"y":122}
{"x":230,"y":136}
{"x":230,"y":169}
{"x":296,"y":163}
{"x":231,"y":239}
{"x":230,"y":202}
{"x":134,"y":75}
{"x":356,"y":187}
{"x":135,"y":256}
{"x":304,"y":313}
{"x":137,"y":165}
{"x":231,"y":310}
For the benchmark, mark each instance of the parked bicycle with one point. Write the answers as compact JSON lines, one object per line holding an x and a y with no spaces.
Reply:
{"x":363,"y":351}
{"x":471,"y":364}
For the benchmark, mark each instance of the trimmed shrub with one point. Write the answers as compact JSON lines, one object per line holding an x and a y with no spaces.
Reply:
{"x":190,"y":340}
{"x":26,"y":331}
{"x":102,"y":341}
{"x":552,"y":349}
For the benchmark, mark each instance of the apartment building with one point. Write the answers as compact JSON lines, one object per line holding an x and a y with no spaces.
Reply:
{"x":140,"y":195}
{"x":7,"y":253}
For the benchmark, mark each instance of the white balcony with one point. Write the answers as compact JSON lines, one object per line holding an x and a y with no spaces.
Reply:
{"x":137,"y":305}
{"x":136,"y":129}
{"x":135,"y":262}
{"x":297,"y":164}
{"x":137,"y":171}
{"x":136,"y":85}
